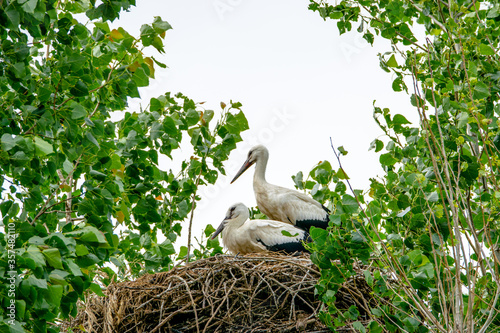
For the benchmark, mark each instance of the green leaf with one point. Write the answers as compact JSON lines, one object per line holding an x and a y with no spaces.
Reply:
{"x":319,"y":236}
{"x":183,"y":209}
{"x":77,"y":111}
{"x":463,"y":119}
{"x":358,"y":326}
{"x":209,"y":230}
{"x":182,"y":252}
{"x":91,"y":138}
{"x":140,"y":77}
{"x":411,"y":324}
{"x":377,"y":145}
{"x":166,"y":248}
{"x":400,"y":120}
{"x":34,"y":253}
{"x":160,"y":26}
{"x":88,"y":234}
{"x":73,"y":268}
{"x":486,"y":50}
{"x":374,"y":327}
{"x":53,"y":257}
{"x":169,"y":126}
{"x":35,"y":282}
{"x":357,"y":237}
{"x":192,"y":117}
{"x":80,"y":89}
{"x":43,"y":146}
{"x":481,"y":90}
{"x":288,"y":234}
{"x":207,"y":116}
{"x":392,"y":61}
{"x":349,"y":204}
{"x":432,"y":197}
{"x":81,"y":250}
{"x":342,"y":150}
{"x":341,"y":174}
{"x":242,"y":121}
{"x":9,"y":142}
{"x":53,"y":296}
{"x":29,"y":6}
{"x":387,"y":159}
{"x":155,"y":104}
{"x":20,"y":308}
{"x":97,"y":289}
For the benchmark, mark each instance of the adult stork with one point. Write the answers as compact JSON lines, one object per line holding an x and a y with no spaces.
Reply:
{"x":279,"y":203}
{"x":241,"y":235}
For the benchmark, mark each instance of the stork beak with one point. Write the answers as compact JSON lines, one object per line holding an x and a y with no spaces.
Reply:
{"x":245,"y":166}
{"x":219,"y":229}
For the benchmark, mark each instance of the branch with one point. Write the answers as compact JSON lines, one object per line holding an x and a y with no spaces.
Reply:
{"x":435,"y":20}
{"x":394,"y":263}
{"x":45,"y":205}
{"x":192,"y":215}
{"x":67,"y":202}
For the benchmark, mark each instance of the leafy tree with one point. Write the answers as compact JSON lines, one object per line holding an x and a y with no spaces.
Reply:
{"x":79,"y":188}
{"x":429,"y":228}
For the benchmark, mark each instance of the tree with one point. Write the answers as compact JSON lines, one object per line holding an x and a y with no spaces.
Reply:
{"x":81,"y":191}
{"x":429,"y":228}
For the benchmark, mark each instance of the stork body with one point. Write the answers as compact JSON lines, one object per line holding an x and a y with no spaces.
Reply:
{"x":241,"y":235}
{"x":279,"y":203}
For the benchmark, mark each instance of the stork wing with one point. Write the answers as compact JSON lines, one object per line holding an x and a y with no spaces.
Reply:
{"x":277,"y":236}
{"x":304,"y":211}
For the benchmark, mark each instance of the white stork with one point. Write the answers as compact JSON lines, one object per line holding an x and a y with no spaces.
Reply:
{"x":241,"y":235}
{"x":279,"y":203}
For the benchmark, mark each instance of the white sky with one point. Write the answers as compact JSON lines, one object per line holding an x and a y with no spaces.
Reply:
{"x":300,"y":83}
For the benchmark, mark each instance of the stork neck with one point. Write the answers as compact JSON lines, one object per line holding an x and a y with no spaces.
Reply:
{"x":260,"y":170}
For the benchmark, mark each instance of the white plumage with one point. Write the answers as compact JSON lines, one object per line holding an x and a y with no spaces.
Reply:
{"x":241,"y":235}
{"x":279,"y":203}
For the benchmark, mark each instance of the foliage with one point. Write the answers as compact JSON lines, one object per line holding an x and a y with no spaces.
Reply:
{"x":206,"y":247}
{"x":431,"y":226}
{"x":81,"y":186}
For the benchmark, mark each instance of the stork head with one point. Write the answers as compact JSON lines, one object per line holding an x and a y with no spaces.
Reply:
{"x":237,"y":214}
{"x":255,"y":154}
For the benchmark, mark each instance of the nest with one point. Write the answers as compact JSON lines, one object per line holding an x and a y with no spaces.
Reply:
{"x":252,"y":293}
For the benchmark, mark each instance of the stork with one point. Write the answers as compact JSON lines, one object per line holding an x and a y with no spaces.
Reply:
{"x":279,"y":203}
{"x":241,"y":235}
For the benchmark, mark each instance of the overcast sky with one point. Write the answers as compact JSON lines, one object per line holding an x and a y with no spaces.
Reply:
{"x":300,"y":83}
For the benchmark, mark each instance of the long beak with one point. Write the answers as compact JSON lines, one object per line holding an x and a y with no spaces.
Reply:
{"x":244,"y":167}
{"x":219,"y":229}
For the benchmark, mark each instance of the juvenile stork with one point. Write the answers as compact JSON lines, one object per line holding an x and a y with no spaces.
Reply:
{"x":279,"y":203}
{"x":241,"y":235}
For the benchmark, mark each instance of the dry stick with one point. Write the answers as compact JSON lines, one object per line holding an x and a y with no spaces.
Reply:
{"x":282,"y":260}
{"x":192,"y":302}
{"x":220,"y":305}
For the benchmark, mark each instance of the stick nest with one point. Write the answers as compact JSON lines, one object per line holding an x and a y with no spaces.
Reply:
{"x":252,"y":293}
